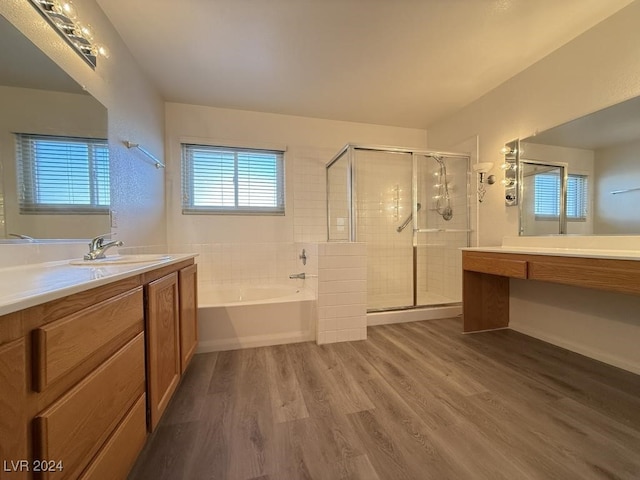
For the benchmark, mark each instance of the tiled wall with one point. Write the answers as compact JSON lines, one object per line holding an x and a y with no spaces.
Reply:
{"x":23,"y":252}
{"x":342,"y":292}
{"x":255,"y":263}
{"x":337,"y":272}
{"x":309,"y":193}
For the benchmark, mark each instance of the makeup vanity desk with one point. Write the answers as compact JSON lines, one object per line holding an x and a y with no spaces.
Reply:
{"x":486,"y":272}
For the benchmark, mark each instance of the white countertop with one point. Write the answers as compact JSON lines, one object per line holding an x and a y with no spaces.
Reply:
{"x":29,"y":285}
{"x":562,"y":252}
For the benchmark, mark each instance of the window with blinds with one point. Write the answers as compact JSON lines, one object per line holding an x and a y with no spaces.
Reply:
{"x":221,"y":180}
{"x":547,"y":196}
{"x":62,"y":175}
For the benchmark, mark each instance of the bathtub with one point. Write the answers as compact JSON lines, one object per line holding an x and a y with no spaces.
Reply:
{"x":243,"y":316}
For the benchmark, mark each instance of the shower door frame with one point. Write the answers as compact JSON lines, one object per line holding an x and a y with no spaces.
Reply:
{"x":349,"y":149}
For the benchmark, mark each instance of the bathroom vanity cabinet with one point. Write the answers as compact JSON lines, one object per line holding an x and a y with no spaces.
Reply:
{"x":85,"y":377}
{"x":486,"y":274}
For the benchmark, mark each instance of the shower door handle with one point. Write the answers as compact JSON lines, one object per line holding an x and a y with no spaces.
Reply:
{"x":408,"y":220}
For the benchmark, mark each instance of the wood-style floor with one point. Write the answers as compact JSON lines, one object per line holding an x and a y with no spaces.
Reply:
{"x":414,"y":401}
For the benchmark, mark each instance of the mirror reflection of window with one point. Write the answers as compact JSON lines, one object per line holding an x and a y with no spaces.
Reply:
{"x":547,"y":196}
{"x":62,"y":175}
{"x":541,"y":206}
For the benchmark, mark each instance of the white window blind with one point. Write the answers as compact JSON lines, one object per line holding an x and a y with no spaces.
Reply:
{"x":547,"y":196}
{"x":232,"y":180}
{"x":62,"y":175}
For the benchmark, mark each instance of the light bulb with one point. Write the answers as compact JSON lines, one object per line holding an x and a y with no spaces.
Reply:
{"x":506,"y":150}
{"x":86,"y":31}
{"x":104,"y":51}
{"x":69,"y":10}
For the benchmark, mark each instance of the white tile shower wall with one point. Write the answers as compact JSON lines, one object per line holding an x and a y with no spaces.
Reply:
{"x":342,"y":292}
{"x":311,"y":267}
{"x":309,"y":193}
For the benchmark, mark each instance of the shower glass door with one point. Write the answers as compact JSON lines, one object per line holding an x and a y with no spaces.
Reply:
{"x":382,"y":189}
{"x":441,"y":226}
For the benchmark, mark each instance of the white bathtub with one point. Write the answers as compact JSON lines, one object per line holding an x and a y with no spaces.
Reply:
{"x":243,"y":316}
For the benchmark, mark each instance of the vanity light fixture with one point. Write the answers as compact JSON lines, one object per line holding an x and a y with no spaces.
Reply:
{"x":62,"y":16}
{"x":482,"y":168}
{"x":510,"y":166}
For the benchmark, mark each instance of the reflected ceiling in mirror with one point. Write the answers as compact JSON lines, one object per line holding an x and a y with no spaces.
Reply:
{"x":604,"y":147}
{"x":37,"y":97}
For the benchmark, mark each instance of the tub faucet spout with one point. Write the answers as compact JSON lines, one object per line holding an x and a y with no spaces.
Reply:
{"x":297,"y":275}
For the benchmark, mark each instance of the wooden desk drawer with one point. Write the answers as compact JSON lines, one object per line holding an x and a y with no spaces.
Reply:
{"x":613,"y":277}
{"x":91,"y":335}
{"x":75,"y":427}
{"x":494,"y":265}
{"x":119,"y":454}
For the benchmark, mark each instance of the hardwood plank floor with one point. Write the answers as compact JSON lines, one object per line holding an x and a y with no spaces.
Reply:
{"x":414,"y":401}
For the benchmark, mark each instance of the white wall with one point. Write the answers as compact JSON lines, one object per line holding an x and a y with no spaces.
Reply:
{"x":310,"y":144}
{"x":596,"y":70}
{"x":136,"y":113}
{"x":236,"y":248}
{"x":617,"y":169}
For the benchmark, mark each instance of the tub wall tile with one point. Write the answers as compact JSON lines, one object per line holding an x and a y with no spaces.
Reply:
{"x":342,"y":292}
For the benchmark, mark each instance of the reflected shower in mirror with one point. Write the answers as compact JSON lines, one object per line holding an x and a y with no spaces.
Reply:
{"x":602,"y":153}
{"x":53,"y":148}
{"x":542,"y":209}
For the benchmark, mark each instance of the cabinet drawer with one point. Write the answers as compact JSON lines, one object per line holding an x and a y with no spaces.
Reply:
{"x":622,"y":278}
{"x":74,"y":428}
{"x":494,"y":265}
{"x":119,"y":454}
{"x":89,"y":335}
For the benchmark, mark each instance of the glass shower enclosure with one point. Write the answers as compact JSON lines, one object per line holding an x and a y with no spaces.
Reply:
{"x":411,"y":208}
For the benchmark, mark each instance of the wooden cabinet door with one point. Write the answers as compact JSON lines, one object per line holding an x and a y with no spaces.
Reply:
{"x":163,"y":344}
{"x":188,"y":281}
{"x":13,"y":422}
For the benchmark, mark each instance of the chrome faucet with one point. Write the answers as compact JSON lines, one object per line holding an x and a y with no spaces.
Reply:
{"x":97,"y":247}
{"x":297,"y":275}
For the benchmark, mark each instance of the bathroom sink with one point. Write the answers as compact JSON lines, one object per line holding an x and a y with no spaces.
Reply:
{"x":120,"y":259}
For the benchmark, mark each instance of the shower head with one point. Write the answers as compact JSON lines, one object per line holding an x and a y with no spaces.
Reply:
{"x":437,"y":158}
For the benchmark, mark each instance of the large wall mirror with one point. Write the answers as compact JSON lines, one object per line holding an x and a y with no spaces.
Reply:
{"x":54,"y":158}
{"x":602,"y":154}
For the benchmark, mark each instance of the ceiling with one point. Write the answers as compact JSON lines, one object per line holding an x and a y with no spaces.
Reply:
{"x":390,"y":62}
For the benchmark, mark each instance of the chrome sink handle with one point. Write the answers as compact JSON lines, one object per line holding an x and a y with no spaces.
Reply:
{"x":96,"y":242}
{"x":97,"y":247}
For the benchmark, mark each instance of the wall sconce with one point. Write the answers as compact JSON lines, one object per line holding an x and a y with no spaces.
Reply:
{"x":62,"y":16}
{"x":482,"y":169}
{"x":511,"y":152}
